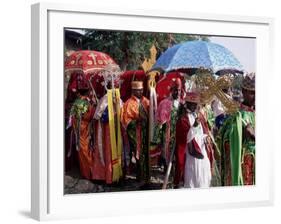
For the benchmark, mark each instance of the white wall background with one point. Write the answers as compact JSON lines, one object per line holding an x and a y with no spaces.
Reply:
{"x":15,"y":110}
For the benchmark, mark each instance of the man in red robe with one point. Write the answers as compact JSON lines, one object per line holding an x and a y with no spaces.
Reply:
{"x":194,"y":153}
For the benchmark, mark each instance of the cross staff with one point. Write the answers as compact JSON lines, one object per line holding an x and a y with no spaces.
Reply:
{"x":212,"y":87}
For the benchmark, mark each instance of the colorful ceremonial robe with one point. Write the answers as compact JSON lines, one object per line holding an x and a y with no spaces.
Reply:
{"x":165,"y":128}
{"x":108,"y":148}
{"x":134,"y":118}
{"x":238,"y":152}
{"x":81,"y":114}
{"x":208,"y":115}
{"x":194,"y":154}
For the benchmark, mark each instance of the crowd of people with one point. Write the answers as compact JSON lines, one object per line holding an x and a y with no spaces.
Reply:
{"x":200,"y":144}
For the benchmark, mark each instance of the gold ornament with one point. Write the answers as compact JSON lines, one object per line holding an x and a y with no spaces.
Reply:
{"x":209,"y":87}
{"x":94,"y":58}
{"x":147,"y":65}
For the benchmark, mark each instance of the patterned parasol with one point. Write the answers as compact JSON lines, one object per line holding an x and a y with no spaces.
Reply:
{"x":96,"y":67}
{"x":87,"y":61}
{"x":198,"y":54}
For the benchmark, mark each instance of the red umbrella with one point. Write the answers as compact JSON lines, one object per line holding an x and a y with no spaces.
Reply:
{"x":133,"y":75}
{"x":164,"y":84}
{"x":91,"y":66}
{"x":87,"y":61}
{"x":126,"y":78}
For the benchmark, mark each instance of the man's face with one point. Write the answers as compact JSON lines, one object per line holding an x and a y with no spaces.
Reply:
{"x":249,"y":97}
{"x":109,"y":85}
{"x":191,"y":106}
{"x":175,"y":93}
{"x":137,"y":93}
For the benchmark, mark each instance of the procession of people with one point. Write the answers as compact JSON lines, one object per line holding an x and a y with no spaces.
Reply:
{"x":201,"y":143}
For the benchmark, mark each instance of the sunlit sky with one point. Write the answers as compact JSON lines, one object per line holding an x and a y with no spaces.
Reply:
{"x":244,"y":50}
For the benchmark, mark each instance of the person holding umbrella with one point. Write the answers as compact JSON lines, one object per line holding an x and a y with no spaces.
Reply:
{"x":166,"y":119}
{"x":108,"y":156}
{"x":194,"y":153}
{"x":85,"y":65}
{"x":81,"y":114}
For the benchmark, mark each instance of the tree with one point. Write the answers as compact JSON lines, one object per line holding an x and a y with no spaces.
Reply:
{"x":129,"y":49}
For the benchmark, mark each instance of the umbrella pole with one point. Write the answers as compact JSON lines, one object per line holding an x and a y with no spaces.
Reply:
{"x":93,"y":90}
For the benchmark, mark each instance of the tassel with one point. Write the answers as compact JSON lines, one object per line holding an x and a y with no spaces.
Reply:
{"x":115,"y":147}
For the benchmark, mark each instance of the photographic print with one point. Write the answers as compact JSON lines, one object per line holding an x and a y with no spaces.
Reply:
{"x":157,"y":111}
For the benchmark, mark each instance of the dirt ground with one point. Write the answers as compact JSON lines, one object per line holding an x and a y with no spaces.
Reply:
{"x":75,"y":184}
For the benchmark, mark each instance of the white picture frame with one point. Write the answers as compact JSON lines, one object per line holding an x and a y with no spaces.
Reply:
{"x":48,"y":201}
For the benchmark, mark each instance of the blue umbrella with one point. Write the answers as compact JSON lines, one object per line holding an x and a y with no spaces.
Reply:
{"x":198,"y":54}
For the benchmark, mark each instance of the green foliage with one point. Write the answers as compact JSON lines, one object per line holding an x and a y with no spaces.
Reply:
{"x":79,"y":107}
{"x":129,"y":49}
